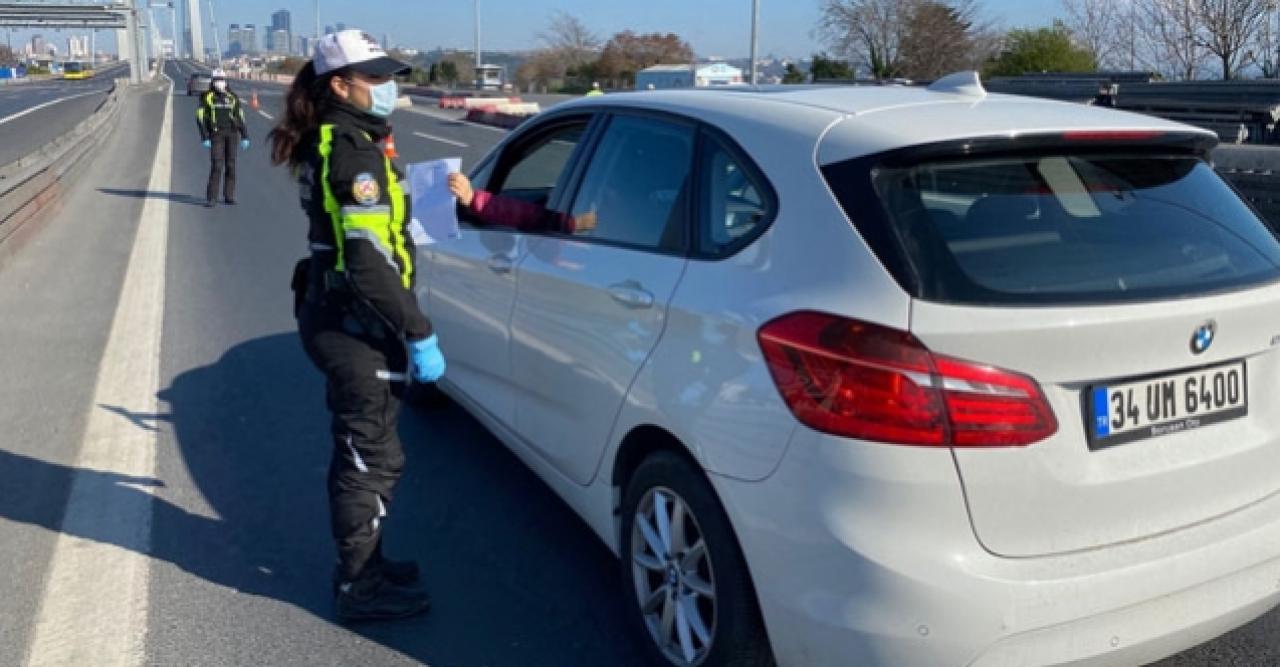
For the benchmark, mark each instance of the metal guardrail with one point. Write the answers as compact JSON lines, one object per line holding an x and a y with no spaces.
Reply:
{"x":1255,"y":172}
{"x":1238,"y":111}
{"x":31,"y":183}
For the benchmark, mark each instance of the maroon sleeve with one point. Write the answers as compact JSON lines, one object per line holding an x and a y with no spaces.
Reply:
{"x":512,"y":212}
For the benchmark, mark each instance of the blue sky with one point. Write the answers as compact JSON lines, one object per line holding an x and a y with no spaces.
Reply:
{"x":714,"y":27}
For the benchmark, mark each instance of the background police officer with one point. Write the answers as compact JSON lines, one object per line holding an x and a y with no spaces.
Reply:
{"x":359,"y":319}
{"x":220,"y":116}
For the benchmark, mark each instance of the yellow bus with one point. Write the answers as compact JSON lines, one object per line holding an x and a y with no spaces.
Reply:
{"x":77,"y":69}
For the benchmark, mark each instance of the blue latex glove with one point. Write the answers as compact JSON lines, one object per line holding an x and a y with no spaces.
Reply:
{"x":207,"y":143}
{"x":427,"y":361}
{"x":244,"y":144}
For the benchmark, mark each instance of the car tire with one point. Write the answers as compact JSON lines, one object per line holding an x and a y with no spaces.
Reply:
{"x":736,"y":632}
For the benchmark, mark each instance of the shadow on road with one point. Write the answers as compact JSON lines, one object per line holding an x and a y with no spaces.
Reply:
{"x":516,"y":578}
{"x":174,"y":197}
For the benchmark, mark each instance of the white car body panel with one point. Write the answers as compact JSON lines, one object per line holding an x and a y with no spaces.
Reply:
{"x":575,"y":349}
{"x":871,"y":554}
{"x":470,"y":305}
{"x":1071,"y":498}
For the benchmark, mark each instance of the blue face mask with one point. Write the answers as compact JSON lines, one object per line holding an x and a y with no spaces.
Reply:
{"x":384,"y":98}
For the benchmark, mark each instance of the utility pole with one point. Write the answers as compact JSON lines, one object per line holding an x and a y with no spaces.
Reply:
{"x":477,"y":73}
{"x":173,"y":27}
{"x":755,"y":38}
{"x":317,"y":20}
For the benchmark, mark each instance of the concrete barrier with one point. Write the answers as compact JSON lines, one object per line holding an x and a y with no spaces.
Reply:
{"x":31,"y":187}
{"x":495,"y":118}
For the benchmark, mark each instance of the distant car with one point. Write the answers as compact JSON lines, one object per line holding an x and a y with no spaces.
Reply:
{"x":198,"y":83}
{"x":885,"y":375}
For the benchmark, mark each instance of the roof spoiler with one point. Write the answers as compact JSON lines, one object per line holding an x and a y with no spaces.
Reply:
{"x":966,"y":83}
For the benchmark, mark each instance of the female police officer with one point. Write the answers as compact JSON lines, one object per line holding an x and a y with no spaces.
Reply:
{"x":358,"y":317}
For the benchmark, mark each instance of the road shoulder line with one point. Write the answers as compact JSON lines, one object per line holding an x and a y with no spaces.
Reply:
{"x":94,"y":606}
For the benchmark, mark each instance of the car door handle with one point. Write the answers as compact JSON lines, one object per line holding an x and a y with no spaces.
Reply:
{"x":501,"y":264}
{"x":631,"y":295}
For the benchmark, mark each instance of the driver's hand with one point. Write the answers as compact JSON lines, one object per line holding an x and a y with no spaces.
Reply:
{"x":460,"y":186}
{"x":585,"y":222}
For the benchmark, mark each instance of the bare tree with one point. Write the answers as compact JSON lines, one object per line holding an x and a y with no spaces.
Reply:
{"x":1099,"y":26}
{"x":867,"y":32}
{"x":1229,"y":29}
{"x":940,"y":38}
{"x":1169,"y":34}
{"x":573,"y":44}
{"x":914,"y":38}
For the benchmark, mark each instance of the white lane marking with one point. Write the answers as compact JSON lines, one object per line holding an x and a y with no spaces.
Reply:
{"x":94,"y":608}
{"x":441,"y":116}
{"x":50,"y":103}
{"x":442,"y":140}
{"x":266,"y":115}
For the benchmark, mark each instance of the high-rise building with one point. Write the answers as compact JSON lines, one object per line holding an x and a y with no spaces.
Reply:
{"x":341,"y":27}
{"x":280,"y":43}
{"x":328,"y":30}
{"x":249,"y":39}
{"x":186,"y":41}
{"x":235,"y":40}
{"x":281,"y":22}
{"x":78,"y":47}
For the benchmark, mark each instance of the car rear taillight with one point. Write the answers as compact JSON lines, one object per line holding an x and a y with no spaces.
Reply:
{"x":1112,"y":135}
{"x":860,"y":380}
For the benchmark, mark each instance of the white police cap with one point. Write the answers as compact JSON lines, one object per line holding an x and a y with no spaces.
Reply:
{"x":357,"y":50}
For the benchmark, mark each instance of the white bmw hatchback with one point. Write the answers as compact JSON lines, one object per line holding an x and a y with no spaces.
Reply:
{"x":885,"y":376}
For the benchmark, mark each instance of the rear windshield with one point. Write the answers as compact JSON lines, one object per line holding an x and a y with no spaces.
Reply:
{"x":1056,"y":229}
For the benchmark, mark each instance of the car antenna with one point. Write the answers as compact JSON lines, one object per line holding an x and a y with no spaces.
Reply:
{"x":966,"y":83}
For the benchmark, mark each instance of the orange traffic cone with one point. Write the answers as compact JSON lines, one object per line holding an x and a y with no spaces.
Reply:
{"x":389,"y":147}
{"x":253,"y":101}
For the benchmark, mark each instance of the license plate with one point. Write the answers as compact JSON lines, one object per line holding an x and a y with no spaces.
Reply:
{"x":1168,"y":404}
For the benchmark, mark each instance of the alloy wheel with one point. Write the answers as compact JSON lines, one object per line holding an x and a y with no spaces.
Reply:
{"x":674,"y":578}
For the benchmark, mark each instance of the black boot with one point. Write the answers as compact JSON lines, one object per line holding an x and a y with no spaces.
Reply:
{"x":373,"y":597}
{"x":398,"y":572}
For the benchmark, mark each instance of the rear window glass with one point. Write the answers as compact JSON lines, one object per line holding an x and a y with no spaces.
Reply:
{"x":1054,"y":229}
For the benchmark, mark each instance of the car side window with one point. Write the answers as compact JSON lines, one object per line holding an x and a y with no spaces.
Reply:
{"x":634,"y":191}
{"x":735,"y":200}
{"x":537,"y":168}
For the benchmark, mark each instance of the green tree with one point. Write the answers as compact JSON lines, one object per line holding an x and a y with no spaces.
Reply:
{"x":824,"y":67}
{"x":433,"y":74}
{"x":1043,"y":50}
{"x":449,"y":72}
{"x":793,"y":75}
{"x":419,"y":76}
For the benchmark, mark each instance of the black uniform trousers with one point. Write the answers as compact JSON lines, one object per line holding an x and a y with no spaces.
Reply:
{"x":365,"y":405}
{"x":226,"y":145}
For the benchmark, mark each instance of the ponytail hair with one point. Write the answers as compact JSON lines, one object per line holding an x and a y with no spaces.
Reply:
{"x":304,"y":104}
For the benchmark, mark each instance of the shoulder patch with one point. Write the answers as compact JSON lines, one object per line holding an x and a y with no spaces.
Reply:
{"x":365,"y":189}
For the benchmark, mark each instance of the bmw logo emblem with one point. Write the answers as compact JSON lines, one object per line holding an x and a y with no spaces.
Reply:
{"x":1203,"y":337}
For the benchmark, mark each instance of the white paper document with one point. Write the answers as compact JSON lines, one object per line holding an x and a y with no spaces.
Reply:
{"x":435,"y":216}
